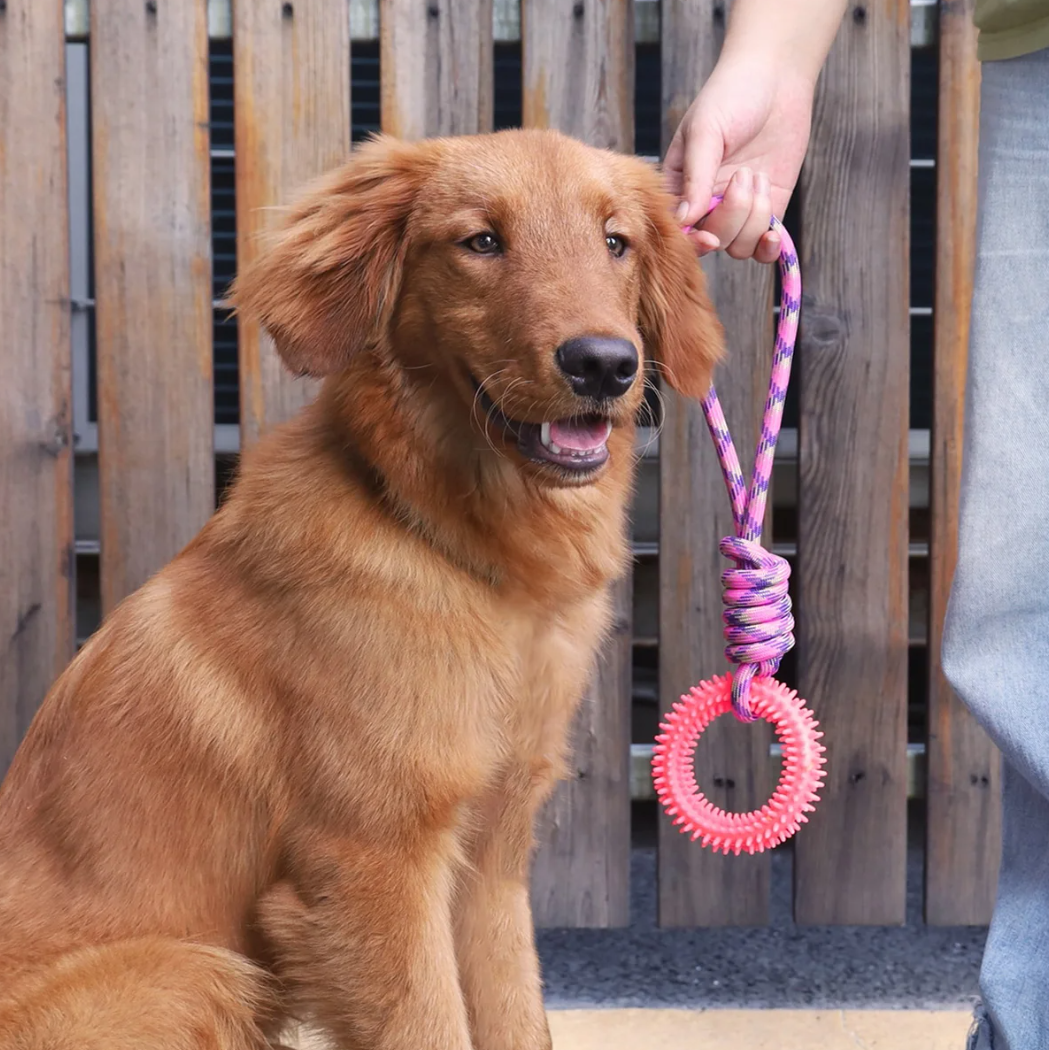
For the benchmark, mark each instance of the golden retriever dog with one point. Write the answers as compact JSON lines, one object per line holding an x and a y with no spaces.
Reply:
{"x":295,"y":775}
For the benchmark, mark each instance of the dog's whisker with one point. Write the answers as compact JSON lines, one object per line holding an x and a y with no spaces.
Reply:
{"x":663,"y":369}
{"x":488,"y":412}
{"x":662,"y":402}
{"x":512,"y":402}
{"x":516,"y":404}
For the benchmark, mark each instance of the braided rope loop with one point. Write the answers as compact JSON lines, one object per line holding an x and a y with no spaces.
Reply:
{"x":758,"y":620}
{"x":759,"y":626}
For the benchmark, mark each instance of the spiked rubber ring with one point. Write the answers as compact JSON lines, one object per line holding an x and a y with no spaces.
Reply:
{"x":674,"y":775}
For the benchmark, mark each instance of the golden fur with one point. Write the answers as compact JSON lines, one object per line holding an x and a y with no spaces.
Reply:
{"x":295,"y":774}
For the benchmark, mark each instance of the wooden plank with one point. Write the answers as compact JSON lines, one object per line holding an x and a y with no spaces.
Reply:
{"x":582,"y":874}
{"x":149,"y":93}
{"x":436,"y":67}
{"x":963,"y":825}
{"x":578,"y":69}
{"x":852,"y":488}
{"x":579,"y":77}
{"x":696,"y":886}
{"x":36,"y":481}
{"x":291,"y":111}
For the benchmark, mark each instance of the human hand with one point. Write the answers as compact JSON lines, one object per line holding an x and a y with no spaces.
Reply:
{"x":744,"y":136}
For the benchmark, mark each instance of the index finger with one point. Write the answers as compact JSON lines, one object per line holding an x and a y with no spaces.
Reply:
{"x":702,"y":155}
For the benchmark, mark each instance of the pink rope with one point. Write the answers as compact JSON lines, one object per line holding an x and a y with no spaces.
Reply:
{"x":758,"y":620}
{"x":758,"y":629}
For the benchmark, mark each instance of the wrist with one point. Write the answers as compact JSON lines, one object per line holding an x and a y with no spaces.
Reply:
{"x":792,"y":38}
{"x":767,"y":71}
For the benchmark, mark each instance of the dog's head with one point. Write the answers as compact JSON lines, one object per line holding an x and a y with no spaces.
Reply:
{"x":525,"y":275}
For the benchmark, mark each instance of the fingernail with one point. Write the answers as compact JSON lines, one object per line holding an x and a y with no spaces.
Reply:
{"x":682,"y":211}
{"x":762,"y":186}
{"x":744,"y":178}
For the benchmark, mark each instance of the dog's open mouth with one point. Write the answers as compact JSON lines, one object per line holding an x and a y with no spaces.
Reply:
{"x":576,"y":443}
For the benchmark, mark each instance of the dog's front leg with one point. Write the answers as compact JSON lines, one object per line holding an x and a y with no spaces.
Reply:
{"x":362,"y":941}
{"x":498,"y":965}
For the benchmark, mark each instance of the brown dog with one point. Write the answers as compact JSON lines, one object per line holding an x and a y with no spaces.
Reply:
{"x":295,"y":775}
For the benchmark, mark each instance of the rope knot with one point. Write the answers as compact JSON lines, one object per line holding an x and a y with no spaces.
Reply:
{"x":758,"y":620}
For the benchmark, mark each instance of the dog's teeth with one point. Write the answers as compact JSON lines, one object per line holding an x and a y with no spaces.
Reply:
{"x":544,"y":438}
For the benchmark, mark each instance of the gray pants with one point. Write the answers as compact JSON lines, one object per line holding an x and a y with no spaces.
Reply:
{"x":996,"y":645}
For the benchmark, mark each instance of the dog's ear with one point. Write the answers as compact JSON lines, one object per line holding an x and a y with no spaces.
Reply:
{"x":680,"y":328}
{"x":325,"y":284}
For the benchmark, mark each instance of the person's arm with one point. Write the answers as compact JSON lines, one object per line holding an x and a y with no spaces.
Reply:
{"x":794,"y":36}
{"x":746,"y":133}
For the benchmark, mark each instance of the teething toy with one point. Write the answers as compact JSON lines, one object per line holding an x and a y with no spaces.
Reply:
{"x":758,"y":626}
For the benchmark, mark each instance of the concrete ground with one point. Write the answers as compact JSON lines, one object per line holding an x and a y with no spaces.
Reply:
{"x":782,"y":987}
{"x":781,"y":966}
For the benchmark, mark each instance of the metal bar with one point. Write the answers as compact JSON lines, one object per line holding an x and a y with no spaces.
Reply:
{"x":647,"y":445}
{"x":506,"y":19}
{"x":81,"y":303}
{"x":650,"y":549}
{"x":641,"y":789}
{"x":85,"y":303}
{"x":914,"y":311}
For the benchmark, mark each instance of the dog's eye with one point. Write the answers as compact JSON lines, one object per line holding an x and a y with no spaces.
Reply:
{"x":483,"y":244}
{"x":616,"y":244}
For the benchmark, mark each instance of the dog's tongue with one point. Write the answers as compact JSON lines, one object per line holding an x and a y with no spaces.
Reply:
{"x":580,"y":435}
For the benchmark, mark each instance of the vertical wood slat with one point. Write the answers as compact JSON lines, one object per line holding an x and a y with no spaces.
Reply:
{"x":696,"y":886}
{"x":36,"y":481}
{"x":581,"y":876}
{"x":963,"y":825}
{"x":437,"y":67}
{"x":578,"y":69}
{"x":849,"y":862}
{"x":149,"y":93}
{"x":578,"y":63}
{"x":291,"y":116}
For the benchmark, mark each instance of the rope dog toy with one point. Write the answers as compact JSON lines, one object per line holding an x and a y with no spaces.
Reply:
{"x":758,"y":630}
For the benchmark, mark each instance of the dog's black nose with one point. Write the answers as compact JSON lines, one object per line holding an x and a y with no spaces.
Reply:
{"x":597,"y":366}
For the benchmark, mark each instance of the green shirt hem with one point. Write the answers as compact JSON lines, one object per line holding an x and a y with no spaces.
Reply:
{"x":1012,"y":43}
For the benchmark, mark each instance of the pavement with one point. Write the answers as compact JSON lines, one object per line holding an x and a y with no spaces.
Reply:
{"x":781,"y":966}
{"x":781,"y":987}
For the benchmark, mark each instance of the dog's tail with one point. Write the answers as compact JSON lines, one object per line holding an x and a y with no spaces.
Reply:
{"x":144,"y":994}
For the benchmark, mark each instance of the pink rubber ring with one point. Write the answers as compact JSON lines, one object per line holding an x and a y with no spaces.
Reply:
{"x":673,"y":767}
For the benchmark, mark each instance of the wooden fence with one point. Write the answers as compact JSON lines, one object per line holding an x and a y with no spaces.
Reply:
{"x":152,"y":292}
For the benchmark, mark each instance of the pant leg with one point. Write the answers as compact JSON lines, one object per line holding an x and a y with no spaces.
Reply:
{"x":996,"y":643}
